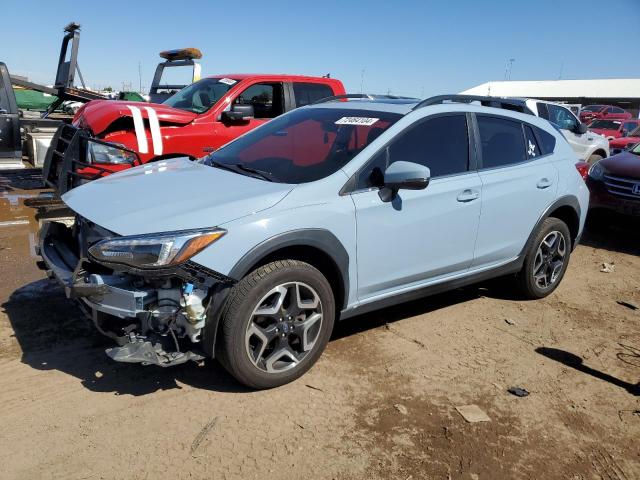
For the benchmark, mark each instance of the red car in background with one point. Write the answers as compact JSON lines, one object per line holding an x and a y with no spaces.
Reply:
{"x":613,"y":128}
{"x":609,"y":112}
{"x":110,"y":136}
{"x":618,"y":145}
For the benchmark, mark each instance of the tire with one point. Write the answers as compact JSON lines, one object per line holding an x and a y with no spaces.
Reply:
{"x":594,"y":158}
{"x":540,"y":261}
{"x":255,"y":345}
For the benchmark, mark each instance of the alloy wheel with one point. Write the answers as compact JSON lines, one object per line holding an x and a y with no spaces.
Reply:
{"x":549,"y":260}
{"x":284,"y":327}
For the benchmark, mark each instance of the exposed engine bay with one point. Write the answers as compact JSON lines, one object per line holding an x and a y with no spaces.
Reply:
{"x":155,"y":316}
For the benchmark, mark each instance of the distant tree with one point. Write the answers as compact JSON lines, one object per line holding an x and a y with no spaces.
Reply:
{"x":108,"y":89}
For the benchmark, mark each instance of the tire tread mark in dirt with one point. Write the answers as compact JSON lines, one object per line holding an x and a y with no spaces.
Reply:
{"x":202,"y":435}
{"x":389,"y":328}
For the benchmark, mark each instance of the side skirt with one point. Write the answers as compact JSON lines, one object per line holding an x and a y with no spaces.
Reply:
{"x":510,"y":268}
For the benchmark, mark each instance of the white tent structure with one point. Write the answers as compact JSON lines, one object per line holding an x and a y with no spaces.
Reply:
{"x":622,"y":92}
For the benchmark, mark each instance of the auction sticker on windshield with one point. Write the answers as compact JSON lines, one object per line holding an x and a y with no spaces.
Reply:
{"x":366,"y":121}
{"x":227,"y":81}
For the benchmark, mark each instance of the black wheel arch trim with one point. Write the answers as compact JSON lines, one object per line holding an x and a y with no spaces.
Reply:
{"x":564,"y":201}
{"x":318,"y":238}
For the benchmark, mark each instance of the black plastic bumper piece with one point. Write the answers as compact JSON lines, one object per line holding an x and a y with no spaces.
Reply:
{"x":147,"y":353}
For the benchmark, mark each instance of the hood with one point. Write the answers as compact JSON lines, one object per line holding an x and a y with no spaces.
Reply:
{"x":624,"y":164}
{"x":623,"y":141}
{"x":97,"y":115}
{"x":607,"y":132}
{"x":176,"y":194}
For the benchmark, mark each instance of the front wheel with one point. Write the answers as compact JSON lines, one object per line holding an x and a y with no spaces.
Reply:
{"x":594,"y":159}
{"x":276,"y":323}
{"x":546,"y":260}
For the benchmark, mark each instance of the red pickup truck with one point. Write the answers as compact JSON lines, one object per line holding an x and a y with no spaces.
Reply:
{"x":109,"y":136}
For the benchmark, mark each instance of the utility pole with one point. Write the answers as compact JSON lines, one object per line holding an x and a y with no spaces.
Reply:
{"x":362,"y":81}
{"x":507,"y":70}
{"x":139,"y":77}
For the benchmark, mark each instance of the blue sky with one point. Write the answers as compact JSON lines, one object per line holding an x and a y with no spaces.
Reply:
{"x":416,"y":48}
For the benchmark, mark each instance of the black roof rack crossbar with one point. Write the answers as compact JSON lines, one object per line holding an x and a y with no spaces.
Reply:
{"x":367,"y":96}
{"x":495,"y":102}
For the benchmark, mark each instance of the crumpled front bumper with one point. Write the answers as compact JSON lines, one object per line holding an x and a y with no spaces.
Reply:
{"x":100,"y":293}
{"x":118,"y":302}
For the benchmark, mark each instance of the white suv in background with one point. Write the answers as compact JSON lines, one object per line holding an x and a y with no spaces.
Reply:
{"x":589,"y":146}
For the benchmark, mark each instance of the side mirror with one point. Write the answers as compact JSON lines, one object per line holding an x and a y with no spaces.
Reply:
{"x":404,"y":175}
{"x":581,"y":128}
{"x":238,"y":114}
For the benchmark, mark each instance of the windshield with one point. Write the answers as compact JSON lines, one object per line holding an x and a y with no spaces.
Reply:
{"x":202,"y":95}
{"x":592,"y":108}
{"x":635,"y":132}
{"x":305,"y":145}
{"x":605,"y":124}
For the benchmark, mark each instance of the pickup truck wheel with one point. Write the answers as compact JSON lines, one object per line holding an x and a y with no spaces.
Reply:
{"x":546,"y":260}
{"x":276,"y":323}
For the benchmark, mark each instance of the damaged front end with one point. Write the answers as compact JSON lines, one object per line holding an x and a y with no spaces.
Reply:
{"x":142,"y":291}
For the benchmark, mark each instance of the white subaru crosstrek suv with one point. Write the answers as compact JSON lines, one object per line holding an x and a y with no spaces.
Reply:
{"x":329,"y":211}
{"x":589,"y":146}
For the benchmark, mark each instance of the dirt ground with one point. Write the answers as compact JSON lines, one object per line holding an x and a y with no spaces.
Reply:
{"x":380,"y":404}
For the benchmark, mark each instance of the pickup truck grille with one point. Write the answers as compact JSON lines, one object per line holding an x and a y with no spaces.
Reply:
{"x":623,"y":187}
{"x":58,"y":164}
{"x":67,"y":164}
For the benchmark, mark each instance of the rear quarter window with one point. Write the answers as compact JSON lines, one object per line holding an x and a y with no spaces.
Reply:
{"x":546,"y":141}
{"x":307,"y":93}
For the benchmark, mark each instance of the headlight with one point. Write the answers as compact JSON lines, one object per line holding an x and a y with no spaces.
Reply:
{"x":155,"y":250}
{"x":596,"y":171}
{"x":112,"y":154}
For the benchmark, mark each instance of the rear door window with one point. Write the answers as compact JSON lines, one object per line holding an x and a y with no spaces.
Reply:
{"x":308,"y":93}
{"x":502,"y":141}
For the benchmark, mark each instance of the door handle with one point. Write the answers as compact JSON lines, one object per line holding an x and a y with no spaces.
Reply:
{"x":468,"y":195}
{"x":544,"y":183}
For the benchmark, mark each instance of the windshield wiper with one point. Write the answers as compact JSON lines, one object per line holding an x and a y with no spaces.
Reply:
{"x":234,"y":167}
{"x":262,"y":173}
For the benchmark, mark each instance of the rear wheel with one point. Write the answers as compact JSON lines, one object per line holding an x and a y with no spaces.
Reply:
{"x":276,"y":323}
{"x":546,"y":260}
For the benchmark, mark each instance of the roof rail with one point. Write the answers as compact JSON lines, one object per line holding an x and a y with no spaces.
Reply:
{"x":367,"y":96}
{"x":514,"y":104}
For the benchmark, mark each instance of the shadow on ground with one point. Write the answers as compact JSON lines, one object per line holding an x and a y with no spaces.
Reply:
{"x":574,"y":361}
{"x":53,"y":334}
{"x":613,"y":232}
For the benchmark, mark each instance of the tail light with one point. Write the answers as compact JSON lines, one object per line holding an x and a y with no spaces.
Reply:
{"x":583,"y":169}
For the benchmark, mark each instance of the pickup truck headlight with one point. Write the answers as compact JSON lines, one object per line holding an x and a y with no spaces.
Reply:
{"x":159,"y":250}
{"x":113,"y":154}
{"x":596,"y":171}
